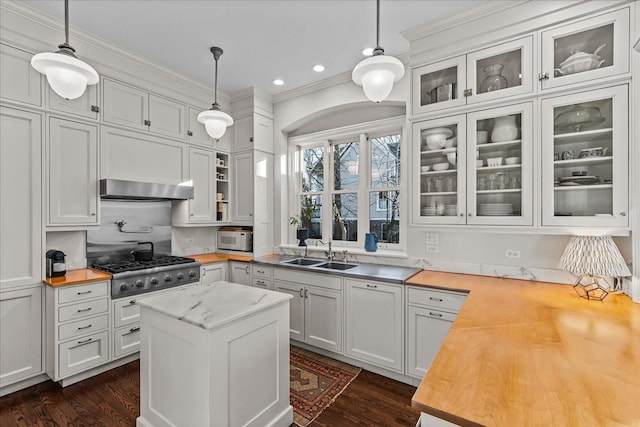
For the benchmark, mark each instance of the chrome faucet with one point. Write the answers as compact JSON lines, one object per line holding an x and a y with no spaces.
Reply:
{"x":328,"y":253}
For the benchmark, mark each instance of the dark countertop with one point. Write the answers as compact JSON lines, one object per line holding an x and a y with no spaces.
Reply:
{"x":381,"y":273}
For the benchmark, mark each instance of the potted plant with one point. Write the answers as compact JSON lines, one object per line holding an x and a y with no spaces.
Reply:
{"x":302,"y":234}
{"x":302,"y":222}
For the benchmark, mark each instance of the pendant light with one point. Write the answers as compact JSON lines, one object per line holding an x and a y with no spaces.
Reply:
{"x":67,"y":75}
{"x":377,"y":73}
{"x":215,"y":120}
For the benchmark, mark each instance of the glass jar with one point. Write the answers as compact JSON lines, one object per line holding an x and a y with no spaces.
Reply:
{"x":494,"y":80}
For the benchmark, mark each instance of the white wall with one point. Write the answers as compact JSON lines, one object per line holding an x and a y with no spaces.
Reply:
{"x":193,"y":240}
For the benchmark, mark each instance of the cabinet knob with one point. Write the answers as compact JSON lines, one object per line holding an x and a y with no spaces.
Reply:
{"x":95,"y":109}
{"x":470,"y":214}
{"x":251,"y":139}
{"x":543,"y":76}
{"x":461,"y":214}
{"x":189,"y":133}
{"x":147,"y":122}
{"x":623,"y":214}
{"x":93,"y":214}
{"x":468,"y":92}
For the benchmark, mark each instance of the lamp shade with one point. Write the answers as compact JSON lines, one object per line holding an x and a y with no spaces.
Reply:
{"x":215,"y":122}
{"x":376,"y":75}
{"x":593,"y":256}
{"x":67,"y":75}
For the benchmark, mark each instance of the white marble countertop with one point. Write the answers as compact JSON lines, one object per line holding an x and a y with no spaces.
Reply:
{"x":213,"y":305}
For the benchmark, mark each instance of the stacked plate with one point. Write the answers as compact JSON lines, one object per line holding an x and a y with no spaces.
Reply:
{"x":579,"y":180}
{"x":428,"y":211}
{"x":451,"y":210}
{"x":495,"y":209}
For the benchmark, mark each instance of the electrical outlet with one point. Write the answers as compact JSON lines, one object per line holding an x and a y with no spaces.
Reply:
{"x":512,"y":253}
{"x":432,"y":238}
{"x":433,"y":249}
{"x":188,"y":240}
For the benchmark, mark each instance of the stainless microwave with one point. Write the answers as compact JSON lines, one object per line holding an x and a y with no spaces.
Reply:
{"x":235,"y":240}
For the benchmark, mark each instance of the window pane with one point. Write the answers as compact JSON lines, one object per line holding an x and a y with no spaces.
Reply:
{"x":385,"y":161}
{"x":384,"y":215}
{"x":345,"y":166}
{"x":312,"y":169}
{"x":311,"y":215}
{"x":344,"y":225}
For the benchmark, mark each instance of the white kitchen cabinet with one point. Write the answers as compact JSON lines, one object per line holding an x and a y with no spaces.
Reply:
{"x":20,"y":81}
{"x":196,"y":132}
{"x":240,"y":272}
{"x":296,"y":307}
{"x":21,"y":194}
{"x":202,"y":174}
{"x":262,"y":276}
{"x":242,"y":184}
{"x":211,"y":273}
{"x":135,"y":156}
{"x":585,"y":49}
{"x":20,"y":334}
{"x":499,"y":71}
{"x":72,"y":168}
{"x":253,"y":132}
{"x":586,"y":133}
{"x":374,"y":322}
{"x":86,"y":105}
{"x":136,"y":108}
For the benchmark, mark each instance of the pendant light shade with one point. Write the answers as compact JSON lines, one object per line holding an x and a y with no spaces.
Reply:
{"x":215,"y":120}
{"x":67,"y":75}
{"x":378,"y":73}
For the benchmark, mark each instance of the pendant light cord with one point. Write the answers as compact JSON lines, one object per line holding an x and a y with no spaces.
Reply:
{"x":66,"y":22}
{"x":378,"y":50}
{"x":215,"y":85}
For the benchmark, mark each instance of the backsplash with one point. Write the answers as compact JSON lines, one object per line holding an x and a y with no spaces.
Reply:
{"x":193,"y":240}
{"x":72,"y":243}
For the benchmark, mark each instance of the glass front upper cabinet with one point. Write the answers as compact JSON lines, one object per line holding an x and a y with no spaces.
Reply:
{"x":439,"y":85}
{"x":500,"y":166}
{"x":439,"y":159}
{"x":585,"y":159}
{"x":585,"y":50}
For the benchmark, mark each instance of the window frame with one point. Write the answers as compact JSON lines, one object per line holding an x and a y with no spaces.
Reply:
{"x":327,"y":139}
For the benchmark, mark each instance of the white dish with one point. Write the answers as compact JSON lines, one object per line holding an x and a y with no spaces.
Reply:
{"x":425,"y":168}
{"x":446,"y":131}
{"x":435,"y":141}
{"x":452,"y":157}
{"x":512,"y":161}
{"x":440,"y":166}
{"x":482,"y":137}
{"x":494,"y":162}
{"x":451,"y":142}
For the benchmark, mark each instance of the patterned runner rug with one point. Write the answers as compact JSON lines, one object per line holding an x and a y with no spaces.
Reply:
{"x":316,"y":381}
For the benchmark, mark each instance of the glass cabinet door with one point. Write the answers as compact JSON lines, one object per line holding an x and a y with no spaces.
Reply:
{"x":585,"y":50}
{"x":439,"y":85}
{"x":502,"y":70}
{"x":500,"y":166}
{"x":585,"y":158}
{"x":439,"y":159}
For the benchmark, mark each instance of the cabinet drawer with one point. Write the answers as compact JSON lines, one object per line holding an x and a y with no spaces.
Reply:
{"x":262,"y":271}
{"x":126,"y":340}
{"x":81,"y":354}
{"x":304,"y":278}
{"x":82,"y":327}
{"x":437,"y":299}
{"x":83,"y":309}
{"x":83,"y":292}
{"x":125,"y":312}
{"x":261,"y":283}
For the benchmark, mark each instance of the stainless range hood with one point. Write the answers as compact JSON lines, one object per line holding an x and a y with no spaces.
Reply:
{"x":135,"y":190}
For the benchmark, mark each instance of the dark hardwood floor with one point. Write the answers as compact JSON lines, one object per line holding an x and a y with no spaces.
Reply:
{"x":113,"y":399}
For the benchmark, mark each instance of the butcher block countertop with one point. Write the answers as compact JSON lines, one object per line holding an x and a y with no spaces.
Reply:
{"x":535,"y":354}
{"x":209,"y":258}
{"x":73,"y":277}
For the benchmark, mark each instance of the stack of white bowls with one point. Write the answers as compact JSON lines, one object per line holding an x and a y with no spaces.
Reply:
{"x":428,"y":211}
{"x":451,"y":210}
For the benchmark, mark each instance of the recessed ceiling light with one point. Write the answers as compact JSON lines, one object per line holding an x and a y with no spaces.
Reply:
{"x":368,"y":51}
{"x":278,"y":82}
{"x":318,"y":68}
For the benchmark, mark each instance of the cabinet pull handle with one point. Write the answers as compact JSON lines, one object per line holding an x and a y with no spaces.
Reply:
{"x":246,"y":270}
{"x":372,"y":286}
{"x":189,"y":133}
{"x":84,"y":327}
{"x":301,"y":292}
{"x":260,"y":271}
{"x":84,"y":341}
{"x":132,"y":302}
{"x":85,"y":292}
{"x":147,"y":122}
{"x":435,"y":314}
{"x":260,"y":282}
{"x":204,"y":272}
{"x":543,"y":76}
{"x":95,"y":109}
{"x":306,"y":293}
{"x":435,"y":299}
{"x":84,"y":309}
{"x":93,"y":214}
{"x":132,"y":330}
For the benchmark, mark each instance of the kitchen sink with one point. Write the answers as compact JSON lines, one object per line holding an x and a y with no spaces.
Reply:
{"x":303,"y":261}
{"x":336,"y":266}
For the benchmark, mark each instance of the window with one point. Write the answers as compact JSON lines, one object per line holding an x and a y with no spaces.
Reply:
{"x":358,"y":176}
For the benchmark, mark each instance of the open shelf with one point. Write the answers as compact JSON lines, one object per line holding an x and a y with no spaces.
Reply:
{"x":441,"y":193}
{"x":501,"y":167}
{"x":583,"y":187}
{"x":502,"y":144}
{"x":505,"y":190}
{"x":582,"y":136}
{"x":439,"y":172}
{"x":584,"y":160}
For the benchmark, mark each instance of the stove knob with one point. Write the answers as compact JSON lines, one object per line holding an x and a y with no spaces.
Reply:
{"x":139,"y":283}
{"x":154,"y":281}
{"x":192,"y":274}
{"x":124,"y":286}
{"x":167,"y":278}
{"x":180,"y":276}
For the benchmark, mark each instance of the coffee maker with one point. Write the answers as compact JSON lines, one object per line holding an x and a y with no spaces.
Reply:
{"x":55,"y":263}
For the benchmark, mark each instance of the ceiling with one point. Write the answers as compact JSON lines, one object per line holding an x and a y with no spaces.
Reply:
{"x":262,"y":39}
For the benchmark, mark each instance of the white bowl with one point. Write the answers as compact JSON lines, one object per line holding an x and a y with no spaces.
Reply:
{"x":512,"y":161}
{"x":440,"y":166}
{"x":425,"y":168}
{"x":451,"y":142}
{"x":435,"y":141}
{"x":482,"y":137}
{"x":452,"y":157}
{"x":494,"y":161}
{"x":479,"y":163}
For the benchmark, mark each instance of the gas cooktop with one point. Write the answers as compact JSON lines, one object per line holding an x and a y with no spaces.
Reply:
{"x":129,"y":265}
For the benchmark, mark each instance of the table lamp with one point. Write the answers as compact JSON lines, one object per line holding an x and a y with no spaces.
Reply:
{"x":593,"y":257}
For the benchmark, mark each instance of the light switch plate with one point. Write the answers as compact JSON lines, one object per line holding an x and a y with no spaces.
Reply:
{"x":433,"y":249}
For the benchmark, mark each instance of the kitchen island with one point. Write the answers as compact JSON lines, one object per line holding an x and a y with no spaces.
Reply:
{"x":215,"y":355}
{"x":532,"y":353}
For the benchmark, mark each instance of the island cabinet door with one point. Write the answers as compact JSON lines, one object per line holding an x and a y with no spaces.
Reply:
{"x":323,"y":318}
{"x":426,"y":330}
{"x":374,"y":323}
{"x":296,"y":308}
